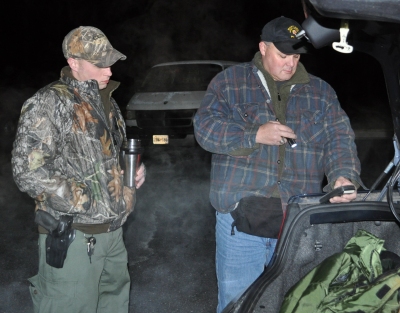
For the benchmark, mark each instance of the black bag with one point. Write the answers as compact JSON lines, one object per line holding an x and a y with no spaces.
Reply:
{"x":258,"y":216}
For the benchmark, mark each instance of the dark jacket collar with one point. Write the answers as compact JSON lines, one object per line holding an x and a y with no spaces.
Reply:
{"x":68,"y":78}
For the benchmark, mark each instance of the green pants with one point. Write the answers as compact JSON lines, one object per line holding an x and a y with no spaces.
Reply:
{"x":81,"y":286}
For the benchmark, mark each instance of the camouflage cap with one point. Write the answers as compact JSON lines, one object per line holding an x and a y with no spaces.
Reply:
{"x":90,"y":44}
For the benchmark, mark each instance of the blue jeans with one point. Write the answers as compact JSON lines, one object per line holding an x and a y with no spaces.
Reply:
{"x":239,"y":259}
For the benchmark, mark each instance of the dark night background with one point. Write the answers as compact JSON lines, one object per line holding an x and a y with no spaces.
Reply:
{"x":153,"y":31}
{"x":171,"y":233}
{"x":147,"y":31}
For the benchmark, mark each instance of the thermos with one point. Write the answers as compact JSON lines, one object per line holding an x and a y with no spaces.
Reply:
{"x":130,"y":158}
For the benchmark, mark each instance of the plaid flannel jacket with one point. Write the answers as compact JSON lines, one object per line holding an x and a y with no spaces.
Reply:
{"x":237,"y":102}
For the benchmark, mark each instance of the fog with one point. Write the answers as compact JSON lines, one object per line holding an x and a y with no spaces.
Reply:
{"x":170,"y":235}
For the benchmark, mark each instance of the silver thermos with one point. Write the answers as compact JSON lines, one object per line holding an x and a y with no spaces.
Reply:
{"x":130,"y":159}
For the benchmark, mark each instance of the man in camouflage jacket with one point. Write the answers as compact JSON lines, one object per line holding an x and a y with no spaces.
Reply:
{"x":66,"y":157}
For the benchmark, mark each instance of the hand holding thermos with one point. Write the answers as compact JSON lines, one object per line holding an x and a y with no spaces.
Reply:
{"x":131,"y":162}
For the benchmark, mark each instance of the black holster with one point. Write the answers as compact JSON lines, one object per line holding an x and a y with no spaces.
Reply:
{"x":59,"y":238}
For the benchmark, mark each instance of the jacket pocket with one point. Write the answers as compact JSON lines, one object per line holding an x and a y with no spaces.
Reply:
{"x":246,"y":112}
{"x":312,"y":127}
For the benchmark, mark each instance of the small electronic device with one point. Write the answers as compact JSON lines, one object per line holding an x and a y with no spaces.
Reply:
{"x":337,"y":192}
{"x":292,"y":143}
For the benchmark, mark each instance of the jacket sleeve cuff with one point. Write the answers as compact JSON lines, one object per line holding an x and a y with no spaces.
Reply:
{"x":355,"y":182}
{"x":250,"y":133}
{"x":249,"y":145}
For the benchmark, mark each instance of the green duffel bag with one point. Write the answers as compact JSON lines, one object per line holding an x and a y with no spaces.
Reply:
{"x":364,"y":278}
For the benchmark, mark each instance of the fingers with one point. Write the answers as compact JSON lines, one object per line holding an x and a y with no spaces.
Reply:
{"x":140,"y":176}
{"x":141,"y":170}
{"x":139,"y":182}
{"x":273,"y":133}
{"x":347,"y":197}
{"x":344,"y":198}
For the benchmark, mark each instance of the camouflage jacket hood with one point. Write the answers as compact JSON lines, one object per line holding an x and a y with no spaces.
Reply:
{"x":66,"y":151}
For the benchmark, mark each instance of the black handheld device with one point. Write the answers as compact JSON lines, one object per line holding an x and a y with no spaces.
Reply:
{"x":337,"y":192}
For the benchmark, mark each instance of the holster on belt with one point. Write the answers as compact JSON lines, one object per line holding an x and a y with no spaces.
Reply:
{"x":59,"y":238}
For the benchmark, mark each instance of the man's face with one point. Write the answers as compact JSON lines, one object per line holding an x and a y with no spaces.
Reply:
{"x":279,"y":65}
{"x":86,"y":71}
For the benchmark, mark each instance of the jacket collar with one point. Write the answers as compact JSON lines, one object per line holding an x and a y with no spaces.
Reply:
{"x":69,"y":79}
{"x":299,"y":77}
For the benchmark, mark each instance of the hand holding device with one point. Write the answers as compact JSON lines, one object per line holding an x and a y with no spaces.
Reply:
{"x":337,"y":192}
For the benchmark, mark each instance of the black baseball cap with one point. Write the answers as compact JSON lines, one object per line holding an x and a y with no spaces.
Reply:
{"x":282,"y":33}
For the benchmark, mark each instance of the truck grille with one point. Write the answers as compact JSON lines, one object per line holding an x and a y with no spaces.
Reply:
{"x":165,"y":119}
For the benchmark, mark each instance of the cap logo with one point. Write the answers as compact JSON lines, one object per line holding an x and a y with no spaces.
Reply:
{"x":282,"y":33}
{"x":293,"y":30}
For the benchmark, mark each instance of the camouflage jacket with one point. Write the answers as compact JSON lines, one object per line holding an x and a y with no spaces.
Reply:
{"x":66,"y":151}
